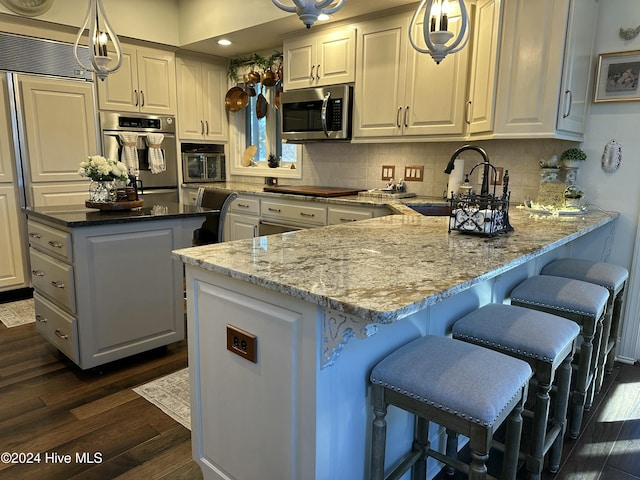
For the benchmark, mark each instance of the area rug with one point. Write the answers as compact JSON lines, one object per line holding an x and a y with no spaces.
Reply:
{"x":14,"y":314}
{"x":171,"y":395}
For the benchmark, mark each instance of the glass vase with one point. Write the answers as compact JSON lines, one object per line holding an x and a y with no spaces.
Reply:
{"x":102,"y":191}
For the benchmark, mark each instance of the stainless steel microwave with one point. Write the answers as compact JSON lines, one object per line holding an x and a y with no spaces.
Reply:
{"x":317,"y":114}
{"x":204,"y":163}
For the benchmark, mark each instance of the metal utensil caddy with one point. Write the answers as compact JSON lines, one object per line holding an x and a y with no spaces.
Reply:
{"x":485,"y":213}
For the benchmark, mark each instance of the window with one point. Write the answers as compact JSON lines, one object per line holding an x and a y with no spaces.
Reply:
{"x":264,"y":133}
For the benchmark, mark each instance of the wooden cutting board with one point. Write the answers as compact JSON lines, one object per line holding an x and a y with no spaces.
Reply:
{"x":314,"y":191}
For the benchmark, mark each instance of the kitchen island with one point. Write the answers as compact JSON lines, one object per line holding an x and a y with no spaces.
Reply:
{"x":105,"y":285}
{"x":285,"y":329}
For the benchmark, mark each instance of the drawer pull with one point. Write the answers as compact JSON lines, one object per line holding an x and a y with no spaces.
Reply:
{"x":40,"y":318}
{"x":342,"y":219}
{"x":57,"y":284}
{"x":277,"y":210}
{"x":61,"y":335}
{"x":305,"y":214}
{"x":37,"y":273}
{"x":35,"y":235}
{"x":243,"y":205}
{"x":55,"y":244}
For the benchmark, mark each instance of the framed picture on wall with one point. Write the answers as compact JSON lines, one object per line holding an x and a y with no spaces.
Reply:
{"x":617,"y":77}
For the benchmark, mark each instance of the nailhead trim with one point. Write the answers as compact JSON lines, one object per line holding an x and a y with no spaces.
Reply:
{"x":502,"y":347}
{"x":444,"y":407}
{"x":555,"y":307}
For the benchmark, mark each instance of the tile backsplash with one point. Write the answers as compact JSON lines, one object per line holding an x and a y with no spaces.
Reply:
{"x":359,"y":165}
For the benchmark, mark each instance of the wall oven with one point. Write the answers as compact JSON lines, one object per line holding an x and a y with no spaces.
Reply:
{"x":203,"y":163}
{"x":314,"y":114}
{"x":134,"y":134}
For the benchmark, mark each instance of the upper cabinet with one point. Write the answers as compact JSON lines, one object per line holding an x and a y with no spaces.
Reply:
{"x":326,"y":58}
{"x":545,"y":65}
{"x":146,"y":83}
{"x":201,"y":92}
{"x":401,"y":92}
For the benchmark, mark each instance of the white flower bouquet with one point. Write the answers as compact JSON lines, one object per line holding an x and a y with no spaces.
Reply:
{"x":100,"y":169}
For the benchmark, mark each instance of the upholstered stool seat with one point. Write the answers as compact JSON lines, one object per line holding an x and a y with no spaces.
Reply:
{"x":611,"y":277}
{"x":463,"y":387}
{"x":547,"y":343}
{"x":585,"y":304}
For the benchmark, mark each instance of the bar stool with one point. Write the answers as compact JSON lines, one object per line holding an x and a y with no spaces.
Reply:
{"x":611,"y":277}
{"x":547,"y":343}
{"x":585,"y":304}
{"x":463,"y":387}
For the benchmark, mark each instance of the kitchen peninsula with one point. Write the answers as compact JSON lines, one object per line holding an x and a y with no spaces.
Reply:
{"x":105,"y":284}
{"x":284,"y":329}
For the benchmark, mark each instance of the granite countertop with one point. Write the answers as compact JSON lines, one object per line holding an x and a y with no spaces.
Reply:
{"x":386,"y":268}
{"x":80,"y":216}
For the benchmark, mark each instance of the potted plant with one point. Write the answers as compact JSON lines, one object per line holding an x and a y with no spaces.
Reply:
{"x":572,"y":157}
{"x":573,"y":196}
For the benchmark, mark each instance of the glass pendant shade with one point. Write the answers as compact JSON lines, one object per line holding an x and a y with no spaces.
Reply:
{"x":435,"y":28}
{"x":100,"y":33}
{"x":309,"y":10}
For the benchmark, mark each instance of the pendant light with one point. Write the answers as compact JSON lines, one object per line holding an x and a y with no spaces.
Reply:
{"x":100,"y":33}
{"x":309,"y":10}
{"x":435,"y":28}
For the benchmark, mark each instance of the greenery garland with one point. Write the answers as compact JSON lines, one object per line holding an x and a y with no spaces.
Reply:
{"x":255,"y":62}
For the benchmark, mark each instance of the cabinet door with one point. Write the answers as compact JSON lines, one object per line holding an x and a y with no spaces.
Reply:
{"x":336,"y":57}
{"x":435,"y":93}
{"x":379,"y":91}
{"x":530,"y":67}
{"x":119,"y":91}
{"x":59,"y":126}
{"x":190,"y":121}
{"x":299,"y":60}
{"x":240,"y":226}
{"x":70,"y":193}
{"x":483,"y":77}
{"x":12,"y":270}
{"x":578,"y":65}
{"x":214,"y":87}
{"x":157,"y":81}
{"x":7,"y":158}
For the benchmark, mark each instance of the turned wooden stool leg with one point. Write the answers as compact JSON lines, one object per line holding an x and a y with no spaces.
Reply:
{"x":512,"y":442}
{"x":535,"y":459}
{"x":378,"y":432}
{"x":559,"y":420}
{"x":579,"y":396}
{"x":421,"y":443}
{"x":452,"y":449}
{"x":595,"y":366}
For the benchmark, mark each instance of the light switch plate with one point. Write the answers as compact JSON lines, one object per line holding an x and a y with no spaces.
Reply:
{"x":414,"y":173}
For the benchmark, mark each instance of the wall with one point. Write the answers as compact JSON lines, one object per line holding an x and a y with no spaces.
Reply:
{"x":618,"y":191}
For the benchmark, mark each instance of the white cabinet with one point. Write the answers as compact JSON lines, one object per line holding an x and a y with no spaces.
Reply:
{"x":201,"y":91}
{"x":401,"y":92}
{"x":326,"y":58}
{"x":52,"y":109}
{"x":483,"y":75}
{"x":243,"y":218}
{"x":108,"y":291}
{"x":543,"y":72}
{"x":146,"y":83}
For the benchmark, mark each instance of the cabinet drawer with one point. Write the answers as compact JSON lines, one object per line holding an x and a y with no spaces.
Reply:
{"x":294,"y":214}
{"x":50,"y":239}
{"x":53,"y":278}
{"x":58,"y":327}
{"x":345,"y":215}
{"x":249,"y":206}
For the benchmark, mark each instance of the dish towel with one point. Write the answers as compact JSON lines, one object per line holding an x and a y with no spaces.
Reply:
{"x":157,"y":163}
{"x":129,"y":154}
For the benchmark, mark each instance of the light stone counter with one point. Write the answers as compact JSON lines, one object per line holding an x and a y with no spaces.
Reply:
{"x":386,"y":268}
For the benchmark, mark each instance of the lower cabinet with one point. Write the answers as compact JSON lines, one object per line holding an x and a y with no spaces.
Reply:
{"x":106,"y":292}
{"x":243,"y":219}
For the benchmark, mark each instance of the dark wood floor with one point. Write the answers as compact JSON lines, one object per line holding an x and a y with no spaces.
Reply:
{"x":49,"y":405}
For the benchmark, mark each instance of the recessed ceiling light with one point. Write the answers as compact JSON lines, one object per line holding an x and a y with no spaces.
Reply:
{"x":224,"y":42}
{"x":323,"y":16}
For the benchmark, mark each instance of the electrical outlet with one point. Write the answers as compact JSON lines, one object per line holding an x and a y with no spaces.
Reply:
{"x":242,"y":343}
{"x":388,"y":172}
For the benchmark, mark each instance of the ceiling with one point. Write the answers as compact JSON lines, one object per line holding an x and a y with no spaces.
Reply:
{"x":269,"y":35}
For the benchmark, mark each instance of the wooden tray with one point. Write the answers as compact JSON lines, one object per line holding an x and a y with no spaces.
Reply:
{"x":314,"y":191}
{"x":114,"y":206}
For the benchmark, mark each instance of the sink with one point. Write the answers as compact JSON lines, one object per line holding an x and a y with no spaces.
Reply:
{"x":432,"y":210}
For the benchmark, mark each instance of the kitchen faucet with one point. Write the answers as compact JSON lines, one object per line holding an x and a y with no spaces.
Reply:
{"x":485,"y":160}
